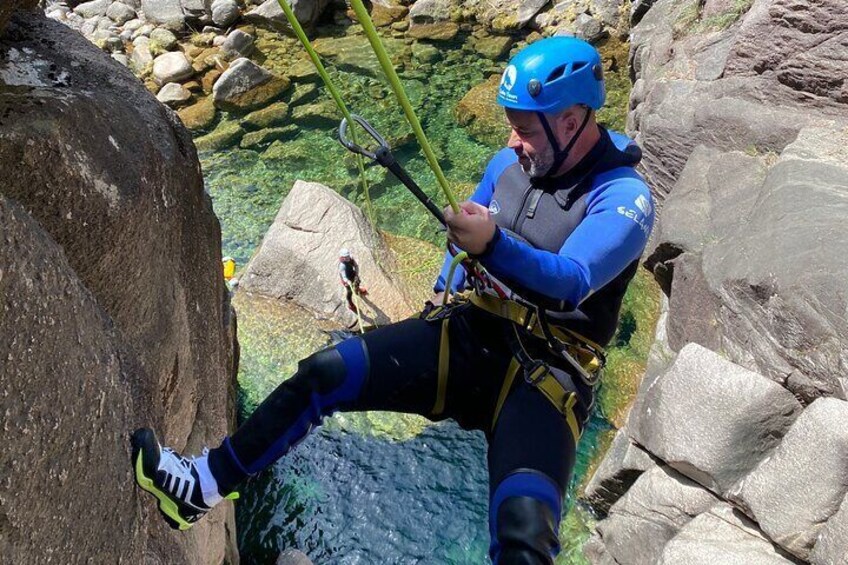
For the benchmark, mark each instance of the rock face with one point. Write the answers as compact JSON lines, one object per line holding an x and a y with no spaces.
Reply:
{"x":721,"y":535}
{"x":741,"y":115}
{"x":733,"y":418}
{"x":660,"y":502}
{"x":8,"y":7}
{"x":111,"y":270}
{"x":793,"y":493}
{"x":298,"y":259}
{"x":750,"y":99}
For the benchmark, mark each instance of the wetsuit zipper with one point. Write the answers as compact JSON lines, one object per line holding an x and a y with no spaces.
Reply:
{"x":514,"y":223}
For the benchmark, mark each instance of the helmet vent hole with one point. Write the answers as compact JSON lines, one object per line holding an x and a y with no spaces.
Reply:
{"x":578,"y":66}
{"x":555,"y":74}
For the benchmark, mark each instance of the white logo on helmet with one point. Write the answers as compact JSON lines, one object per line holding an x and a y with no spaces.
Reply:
{"x":509,"y":76}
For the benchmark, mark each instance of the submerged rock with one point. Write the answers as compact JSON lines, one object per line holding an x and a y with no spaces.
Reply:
{"x":480,"y":113}
{"x":272,"y":115}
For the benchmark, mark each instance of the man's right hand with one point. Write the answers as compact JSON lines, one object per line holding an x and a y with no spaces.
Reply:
{"x":438,"y":298}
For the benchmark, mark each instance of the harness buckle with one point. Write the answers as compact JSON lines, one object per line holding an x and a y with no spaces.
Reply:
{"x":532,"y":374}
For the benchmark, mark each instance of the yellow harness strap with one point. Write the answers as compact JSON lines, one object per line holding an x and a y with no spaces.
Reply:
{"x":526,"y":318}
{"x":444,"y":364}
{"x":507,"y":384}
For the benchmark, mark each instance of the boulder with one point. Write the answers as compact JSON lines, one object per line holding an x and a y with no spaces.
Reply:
{"x":225,"y":135}
{"x":246,"y":86}
{"x":660,"y":502}
{"x":116,"y":276}
{"x":93,"y":9}
{"x":120,"y":13}
{"x":585,"y":27}
{"x":832,"y":544}
{"x":261,"y":138}
{"x":162,"y":41}
{"x":293,"y":557}
{"x":270,"y":14}
{"x":623,"y":463}
{"x":167,"y":13}
{"x":141,"y":60}
{"x":198,"y":116}
{"x":238,"y":44}
{"x":722,"y":535}
{"x":298,"y":258}
{"x":794,"y":492}
{"x":712,"y":420}
{"x":225,"y":12}
{"x":8,"y":7}
{"x":173,"y":94}
{"x":429,"y":11}
{"x":171,"y":67}
{"x":439,"y":31}
{"x":480,"y":113}
{"x":508,"y":15}
{"x":193,"y":9}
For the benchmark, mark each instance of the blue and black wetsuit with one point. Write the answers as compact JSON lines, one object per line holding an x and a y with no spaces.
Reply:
{"x":572,"y":243}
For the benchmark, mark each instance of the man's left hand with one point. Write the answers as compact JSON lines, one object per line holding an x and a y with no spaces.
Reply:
{"x":472,"y":228}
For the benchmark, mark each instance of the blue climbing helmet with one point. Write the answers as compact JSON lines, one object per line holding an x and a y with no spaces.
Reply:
{"x":553,"y":74}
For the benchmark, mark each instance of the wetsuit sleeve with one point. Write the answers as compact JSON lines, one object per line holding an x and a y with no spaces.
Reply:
{"x":614,"y":233}
{"x":483,"y":196}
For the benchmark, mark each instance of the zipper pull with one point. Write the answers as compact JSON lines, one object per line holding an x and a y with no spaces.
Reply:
{"x":535,"y":196}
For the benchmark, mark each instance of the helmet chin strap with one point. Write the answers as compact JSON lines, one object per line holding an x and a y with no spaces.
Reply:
{"x":560,"y":155}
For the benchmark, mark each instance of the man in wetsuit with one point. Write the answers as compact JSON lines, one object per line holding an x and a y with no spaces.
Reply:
{"x":559,"y":223}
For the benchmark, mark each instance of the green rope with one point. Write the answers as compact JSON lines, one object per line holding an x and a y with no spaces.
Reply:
{"x":298,"y":30}
{"x":388,"y":69}
{"x":460,"y":257}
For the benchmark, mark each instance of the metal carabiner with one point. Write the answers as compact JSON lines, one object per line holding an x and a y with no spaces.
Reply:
{"x":351,"y":146}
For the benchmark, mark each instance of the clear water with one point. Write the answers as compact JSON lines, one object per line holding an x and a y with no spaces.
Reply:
{"x":371,"y":488}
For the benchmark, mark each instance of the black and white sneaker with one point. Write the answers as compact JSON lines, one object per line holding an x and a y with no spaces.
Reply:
{"x":184,"y":486}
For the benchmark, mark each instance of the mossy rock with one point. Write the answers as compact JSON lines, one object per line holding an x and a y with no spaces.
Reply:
{"x":304,"y":93}
{"x":209,"y":79}
{"x":353,"y":53}
{"x":320,"y":114}
{"x":493,"y":47}
{"x":273,"y":115}
{"x":437,"y":31}
{"x":257,"y":139}
{"x":303,"y":71}
{"x":479,"y":112}
{"x":258,"y":97}
{"x":286,"y":151}
{"x":383,"y":16}
{"x":425,"y":53}
{"x":227,"y":134}
{"x":199,"y":116}
{"x":205,"y":59}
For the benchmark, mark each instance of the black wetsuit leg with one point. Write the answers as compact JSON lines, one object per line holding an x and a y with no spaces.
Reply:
{"x":531,"y":457}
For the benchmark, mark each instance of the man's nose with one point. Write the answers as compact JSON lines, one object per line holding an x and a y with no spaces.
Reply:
{"x":514,"y":142}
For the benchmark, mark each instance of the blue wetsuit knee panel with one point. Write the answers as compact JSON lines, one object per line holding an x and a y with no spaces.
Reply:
{"x":323,"y":382}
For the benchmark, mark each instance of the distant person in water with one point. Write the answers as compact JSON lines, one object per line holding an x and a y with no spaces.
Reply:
{"x":349,"y":276}
{"x":559,"y":222}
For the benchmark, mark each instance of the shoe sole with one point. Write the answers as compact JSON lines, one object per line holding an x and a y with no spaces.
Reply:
{"x":141,"y":441}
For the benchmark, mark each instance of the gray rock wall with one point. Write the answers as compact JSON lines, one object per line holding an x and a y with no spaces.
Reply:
{"x":111,"y":269}
{"x":742,"y":119}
